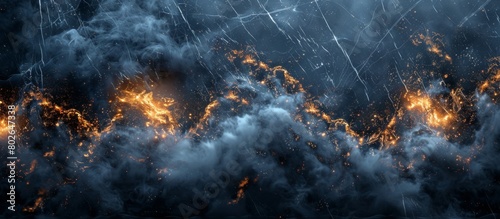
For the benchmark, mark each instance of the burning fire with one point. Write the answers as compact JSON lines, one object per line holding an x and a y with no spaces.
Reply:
{"x":436,"y":115}
{"x":157,"y":112}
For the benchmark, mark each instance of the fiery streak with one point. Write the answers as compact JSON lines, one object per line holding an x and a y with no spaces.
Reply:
{"x":233,"y":95}
{"x":32,"y":167}
{"x":492,"y":84}
{"x":53,"y":115}
{"x":241,"y":191}
{"x":38,"y":202}
{"x":204,"y":119}
{"x":434,"y":44}
{"x":387,"y":137}
{"x":157,"y":112}
{"x":292,"y":85}
{"x":208,"y":111}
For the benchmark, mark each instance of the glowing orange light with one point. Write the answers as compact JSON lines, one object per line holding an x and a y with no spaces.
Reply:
{"x":435,"y":115}
{"x":241,"y":191}
{"x":37,"y":204}
{"x":434,"y":44}
{"x":3,"y":127}
{"x":157,"y":112}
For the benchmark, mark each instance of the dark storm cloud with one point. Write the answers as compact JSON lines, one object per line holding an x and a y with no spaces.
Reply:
{"x":370,"y":179}
{"x":89,"y":46}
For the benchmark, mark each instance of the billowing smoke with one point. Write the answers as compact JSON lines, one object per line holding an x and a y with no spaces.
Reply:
{"x":255,"y":109}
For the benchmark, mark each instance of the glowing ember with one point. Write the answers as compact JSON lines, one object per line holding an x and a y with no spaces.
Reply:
{"x":435,"y":114}
{"x":54,"y":115}
{"x":388,"y":137}
{"x":492,"y":84}
{"x":157,"y":112}
{"x":434,"y":44}
{"x":38,"y":202}
{"x":241,"y":191}
{"x":3,"y":127}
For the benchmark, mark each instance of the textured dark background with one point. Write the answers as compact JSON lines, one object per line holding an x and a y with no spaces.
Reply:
{"x":350,"y":55}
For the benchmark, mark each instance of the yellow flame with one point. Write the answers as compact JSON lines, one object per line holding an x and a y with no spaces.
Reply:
{"x":435,"y":115}
{"x":157,"y":112}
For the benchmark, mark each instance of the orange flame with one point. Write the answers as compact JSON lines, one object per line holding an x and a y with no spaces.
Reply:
{"x":241,"y":191}
{"x":157,"y":112}
{"x":435,"y":114}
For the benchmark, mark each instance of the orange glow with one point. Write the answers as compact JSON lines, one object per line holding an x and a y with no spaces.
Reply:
{"x":53,"y":115}
{"x":290,"y":81}
{"x":311,"y":108}
{"x":435,"y":115}
{"x":241,"y":191}
{"x":208,"y":111}
{"x":492,"y":84}
{"x":3,"y":127}
{"x":37,"y":204}
{"x":32,"y":166}
{"x":231,"y":95}
{"x":49,"y":154}
{"x":157,"y":112}
{"x":388,"y":137}
{"x":293,"y":85}
{"x":204,"y":119}
{"x":434,"y":44}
